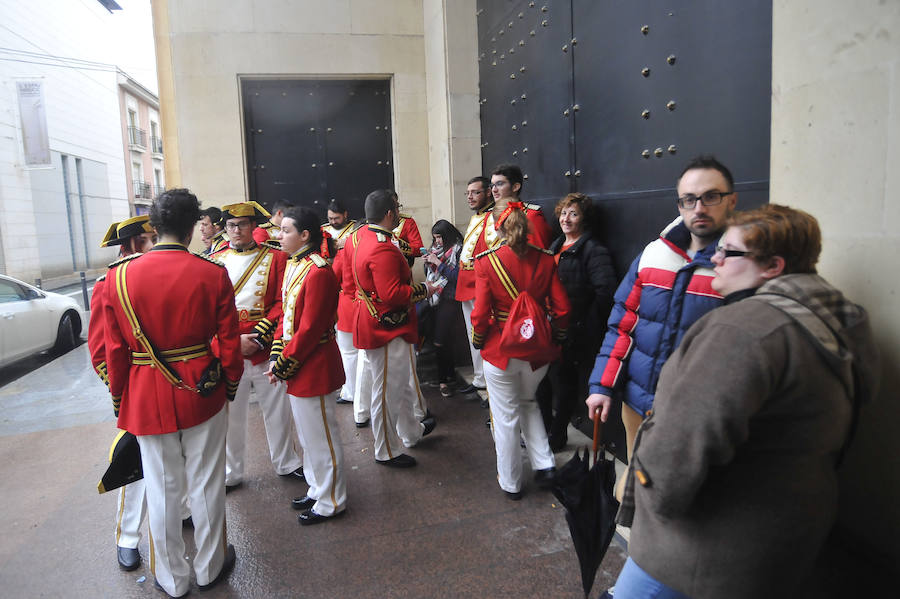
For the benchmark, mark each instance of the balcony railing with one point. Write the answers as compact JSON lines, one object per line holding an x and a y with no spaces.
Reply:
{"x":157,"y":190}
{"x":137,"y":137}
{"x":156,"y":145}
{"x":143,"y":190}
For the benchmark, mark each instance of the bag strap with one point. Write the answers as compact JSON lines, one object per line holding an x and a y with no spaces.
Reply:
{"x":156,"y":356}
{"x":360,"y":292}
{"x":503,"y":275}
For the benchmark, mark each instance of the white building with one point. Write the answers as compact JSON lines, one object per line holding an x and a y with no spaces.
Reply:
{"x":59,"y":91}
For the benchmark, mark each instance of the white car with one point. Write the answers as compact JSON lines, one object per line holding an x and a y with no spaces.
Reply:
{"x":32,"y":320}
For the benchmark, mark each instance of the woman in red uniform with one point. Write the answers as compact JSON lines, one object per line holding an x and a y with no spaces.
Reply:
{"x":512,"y":382}
{"x":306,"y":356}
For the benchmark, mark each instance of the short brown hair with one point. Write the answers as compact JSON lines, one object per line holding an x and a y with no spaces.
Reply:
{"x":774,"y":230}
{"x":576,"y":199}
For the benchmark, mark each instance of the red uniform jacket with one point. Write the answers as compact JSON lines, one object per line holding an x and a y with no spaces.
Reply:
{"x":384,"y":276}
{"x":265,"y":232}
{"x":96,"y":333}
{"x":309,"y":359}
{"x":539,"y":235}
{"x":264,"y":320}
{"x":535,"y":272}
{"x":408,"y":231}
{"x":347,"y":306}
{"x":181,"y":300}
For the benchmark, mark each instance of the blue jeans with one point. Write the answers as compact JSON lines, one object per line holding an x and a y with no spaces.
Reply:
{"x":634,"y":583}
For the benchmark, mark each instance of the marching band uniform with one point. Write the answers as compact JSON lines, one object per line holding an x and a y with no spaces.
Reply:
{"x":539,"y":233}
{"x":307,"y":357}
{"x":480,"y":236}
{"x":339,"y":233}
{"x":410,"y":240}
{"x":182,"y":435}
{"x":511,"y":382}
{"x":219,"y":242}
{"x":350,"y":354}
{"x":386,"y":295}
{"x":131,"y":507}
{"x":257,"y":274}
{"x":267,"y":231}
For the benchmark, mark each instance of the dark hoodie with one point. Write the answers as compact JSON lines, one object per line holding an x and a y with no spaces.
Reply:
{"x":735,"y":487}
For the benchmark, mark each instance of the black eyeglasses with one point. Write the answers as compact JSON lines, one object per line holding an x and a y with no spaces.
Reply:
{"x":720,"y":249}
{"x":710,"y":198}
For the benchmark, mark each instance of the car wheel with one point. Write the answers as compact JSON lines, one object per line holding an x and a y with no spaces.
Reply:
{"x":65,"y":334}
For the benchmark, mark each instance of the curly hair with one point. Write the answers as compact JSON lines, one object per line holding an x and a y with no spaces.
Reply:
{"x":576,"y":199}
{"x":774,"y":230}
{"x":175,"y":212}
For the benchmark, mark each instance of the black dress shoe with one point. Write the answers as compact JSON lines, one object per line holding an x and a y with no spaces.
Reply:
{"x":513,"y":495}
{"x":187,"y":522}
{"x":160,"y":587}
{"x":129,"y":559}
{"x":470,"y":388}
{"x":342,"y":400}
{"x":298,"y":473}
{"x":558,"y":442}
{"x":363,"y":424}
{"x":302,"y":503}
{"x":230,"y":488}
{"x":309,"y":517}
{"x":400,"y":461}
{"x":545,"y":478}
{"x":227,"y":567}
{"x":426,"y":416}
{"x":429,"y":423}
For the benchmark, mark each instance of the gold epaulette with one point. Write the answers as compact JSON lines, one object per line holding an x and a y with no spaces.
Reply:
{"x":208,"y":259}
{"x":272,"y":244}
{"x":318,"y":260}
{"x":266,"y":225}
{"x":405,"y":215}
{"x":540,"y":249}
{"x":529,"y":206}
{"x":486,"y":252}
{"x":123,"y":260}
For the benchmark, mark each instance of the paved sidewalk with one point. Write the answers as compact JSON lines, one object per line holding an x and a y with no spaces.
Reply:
{"x":442,"y":529}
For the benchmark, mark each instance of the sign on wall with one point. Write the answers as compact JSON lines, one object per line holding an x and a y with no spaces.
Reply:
{"x":33,"y":115}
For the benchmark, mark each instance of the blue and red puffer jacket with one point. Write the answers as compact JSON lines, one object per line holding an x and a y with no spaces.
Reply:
{"x":661,"y":296}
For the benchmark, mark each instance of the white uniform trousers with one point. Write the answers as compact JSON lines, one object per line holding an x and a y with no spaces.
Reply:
{"x":130,"y":512}
{"x":477,"y":360}
{"x":349,"y":355}
{"x":513,"y":407}
{"x":276,"y":411}
{"x":362,"y":390}
{"x":420,"y":407}
{"x":392,"y":400}
{"x":323,"y":458}
{"x":195,"y":455}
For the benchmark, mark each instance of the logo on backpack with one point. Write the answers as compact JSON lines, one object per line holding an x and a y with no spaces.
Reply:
{"x":527,"y":329}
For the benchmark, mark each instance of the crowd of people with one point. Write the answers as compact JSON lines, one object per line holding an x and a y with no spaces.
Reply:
{"x":736,"y":368}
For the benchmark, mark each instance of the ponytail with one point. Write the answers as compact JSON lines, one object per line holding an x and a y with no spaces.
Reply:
{"x":512,"y":225}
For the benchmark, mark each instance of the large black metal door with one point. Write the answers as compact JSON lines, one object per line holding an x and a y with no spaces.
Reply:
{"x":619,"y":95}
{"x":311,"y":141}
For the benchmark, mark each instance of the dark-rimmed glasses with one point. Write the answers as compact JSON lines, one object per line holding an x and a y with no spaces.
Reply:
{"x":710,"y":198}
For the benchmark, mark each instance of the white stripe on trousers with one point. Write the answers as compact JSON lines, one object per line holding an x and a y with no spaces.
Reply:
{"x":323,"y":457}
{"x":513,"y":407}
{"x":195,"y":455}
{"x":276,"y":413}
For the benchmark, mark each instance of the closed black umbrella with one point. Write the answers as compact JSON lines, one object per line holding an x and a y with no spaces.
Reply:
{"x":124,"y":463}
{"x":587,"y":494}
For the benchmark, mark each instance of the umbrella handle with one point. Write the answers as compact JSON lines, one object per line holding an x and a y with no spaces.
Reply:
{"x":596,"y":436}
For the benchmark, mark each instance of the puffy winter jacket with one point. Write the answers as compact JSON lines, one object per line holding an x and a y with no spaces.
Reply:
{"x":663,"y":294}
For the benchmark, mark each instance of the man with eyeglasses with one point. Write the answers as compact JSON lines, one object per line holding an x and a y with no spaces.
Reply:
{"x":506,"y":186}
{"x":667,"y":289}
{"x":478,"y":238}
{"x":256,"y":272}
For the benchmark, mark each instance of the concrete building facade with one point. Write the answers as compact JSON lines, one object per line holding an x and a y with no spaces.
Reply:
{"x":835,"y":134}
{"x":142,"y":142}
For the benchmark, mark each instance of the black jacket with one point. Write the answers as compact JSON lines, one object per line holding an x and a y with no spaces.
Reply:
{"x":586,"y":271}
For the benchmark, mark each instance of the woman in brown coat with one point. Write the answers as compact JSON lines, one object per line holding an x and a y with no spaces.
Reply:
{"x":734,"y":487}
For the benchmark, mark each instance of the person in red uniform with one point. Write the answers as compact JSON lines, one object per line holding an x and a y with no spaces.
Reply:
{"x":134,"y":236}
{"x":479,"y":237}
{"x":181,"y":432}
{"x":269,"y":231}
{"x":256,"y":271}
{"x":306,"y":356}
{"x":385,"y":328}
{"x":506,"y":186}
{"x":407,"y":232}
{"x":512,"y":382}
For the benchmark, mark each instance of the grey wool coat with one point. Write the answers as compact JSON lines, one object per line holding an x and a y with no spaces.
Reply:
{"x":733,"y":488}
